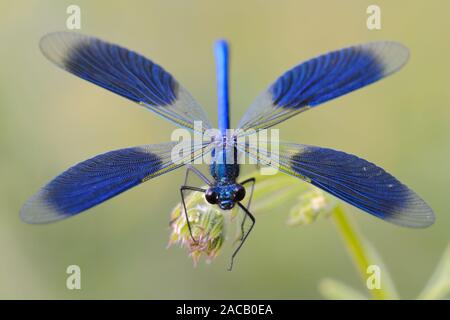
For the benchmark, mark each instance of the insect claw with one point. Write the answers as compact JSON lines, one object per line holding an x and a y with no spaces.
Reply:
{"x":230,"y":268}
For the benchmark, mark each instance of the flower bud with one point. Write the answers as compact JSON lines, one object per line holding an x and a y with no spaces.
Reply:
{"x":207,"y":225}
{"x":309,"y":206}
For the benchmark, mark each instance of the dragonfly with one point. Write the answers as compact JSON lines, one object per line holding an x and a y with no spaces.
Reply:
{"x":311,"y":83}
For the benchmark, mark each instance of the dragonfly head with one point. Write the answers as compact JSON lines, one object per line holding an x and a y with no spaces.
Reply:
{"x":225,"y":196}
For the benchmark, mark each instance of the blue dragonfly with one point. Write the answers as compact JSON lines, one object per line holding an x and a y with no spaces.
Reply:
{"x":309,"y":84}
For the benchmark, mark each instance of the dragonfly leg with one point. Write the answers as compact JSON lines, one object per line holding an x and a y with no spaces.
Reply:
{"x":247,"y":213}
{"x":182,"y":189}
{"x":252,"y":181}
{"x":198,"y":173}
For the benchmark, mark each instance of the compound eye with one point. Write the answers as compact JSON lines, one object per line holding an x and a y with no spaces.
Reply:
{"x":239,"y":193}
{"x":211,"y":196}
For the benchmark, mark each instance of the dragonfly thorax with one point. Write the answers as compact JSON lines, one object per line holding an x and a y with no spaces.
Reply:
{"x":224,"y":166}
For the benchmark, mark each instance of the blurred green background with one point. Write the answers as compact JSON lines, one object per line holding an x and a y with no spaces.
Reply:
{"x":50,"y":120}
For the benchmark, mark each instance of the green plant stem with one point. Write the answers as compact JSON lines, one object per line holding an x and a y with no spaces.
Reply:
{"x":357,"y":251}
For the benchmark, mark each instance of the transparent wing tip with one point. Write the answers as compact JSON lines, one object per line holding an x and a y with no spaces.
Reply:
{"x":37,"y":211}
{"x":415,"y":214}
{"x":56,"y":46}
{"x":391,"y":55}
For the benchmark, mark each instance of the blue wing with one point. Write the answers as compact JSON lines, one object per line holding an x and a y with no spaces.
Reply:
{"x":323,"y":78}
{"x":98,"y":179}
{"x":125,"y":73}
{"x":349,"y":178}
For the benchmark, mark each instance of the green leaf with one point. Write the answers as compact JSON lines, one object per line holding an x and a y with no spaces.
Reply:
{"x":363,"y":255}
{"x":438,"y":287}
{"x":336,"y":290}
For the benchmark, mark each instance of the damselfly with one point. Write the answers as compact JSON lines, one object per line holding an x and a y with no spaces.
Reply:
{"x":124,"y":72}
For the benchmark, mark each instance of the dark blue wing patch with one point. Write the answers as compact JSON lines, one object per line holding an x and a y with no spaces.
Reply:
{"x":334,"y":74}
{"x":92,"y":182}
{"x":321,"y":79}
{"x":112,"y":67}
{"x":126,"y":73}
{"x":362,"y":184}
